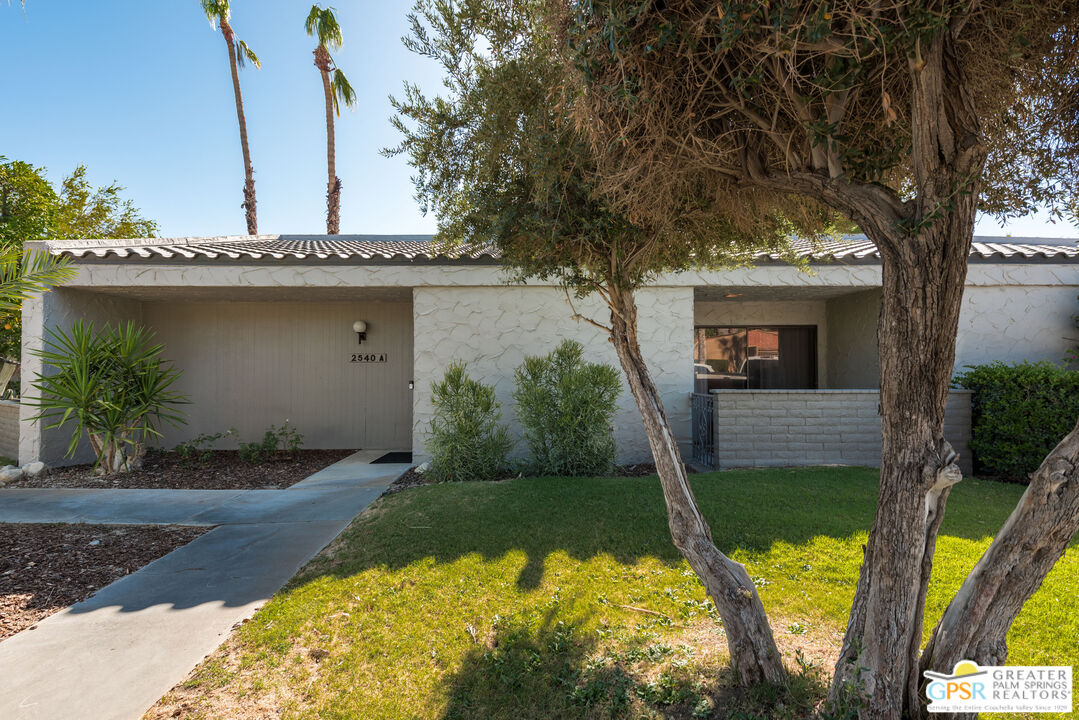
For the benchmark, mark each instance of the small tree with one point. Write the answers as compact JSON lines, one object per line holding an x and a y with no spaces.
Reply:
{"x":113,"y":385}
{"x":566,"y":406}
{"x":467,"y":441}
{"x":498,"y":162}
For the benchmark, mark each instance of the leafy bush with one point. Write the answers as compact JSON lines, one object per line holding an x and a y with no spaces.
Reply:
{"x":467,"y":441}
{"x":284,"y":439}
{"x":1020,"y":413}
{"x":566,"y":406}
{"x":113,"y":385}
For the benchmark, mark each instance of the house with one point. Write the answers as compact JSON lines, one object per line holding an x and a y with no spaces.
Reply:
{"x":780,"y":363}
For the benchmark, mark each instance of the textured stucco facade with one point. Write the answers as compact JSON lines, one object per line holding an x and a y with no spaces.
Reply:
{"x":273,"y":332}
{"x":493,"y":329}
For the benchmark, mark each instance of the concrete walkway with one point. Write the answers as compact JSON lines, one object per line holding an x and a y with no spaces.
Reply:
{"x":112,"y":656}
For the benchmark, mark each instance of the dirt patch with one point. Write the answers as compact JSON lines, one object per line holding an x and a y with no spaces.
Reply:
{"x":46,"y":568}
{"x":222,"y":470}
{"x":413,"y":479}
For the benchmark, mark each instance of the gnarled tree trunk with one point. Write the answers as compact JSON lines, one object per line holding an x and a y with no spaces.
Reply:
{"x":924,"y":263}
{"x":1035,"y":536}
{"x":249,"y":204}
{"x":754,"y":655}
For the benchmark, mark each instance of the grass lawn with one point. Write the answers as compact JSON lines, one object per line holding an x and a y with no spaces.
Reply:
{"x":564,"y":598}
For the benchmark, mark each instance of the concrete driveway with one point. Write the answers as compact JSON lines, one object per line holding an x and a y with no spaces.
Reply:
{"x":113,"y":655}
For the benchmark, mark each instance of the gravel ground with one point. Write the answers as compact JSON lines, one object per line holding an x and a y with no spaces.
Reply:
{"x":46,"y":568}
{"x":223,"y":470}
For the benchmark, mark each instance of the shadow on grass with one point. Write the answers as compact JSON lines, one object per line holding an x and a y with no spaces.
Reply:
{"x":550,"y":669}
{"x":625,"y":518}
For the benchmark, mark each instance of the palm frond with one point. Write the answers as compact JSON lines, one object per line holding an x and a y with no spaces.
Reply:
{"x":215,"y":10}
{"x":312,"y":19}
{"x":322,"y":23}
{"x":244,"y":53}
{"x":25,"y":274}
{"x":342,"y":91}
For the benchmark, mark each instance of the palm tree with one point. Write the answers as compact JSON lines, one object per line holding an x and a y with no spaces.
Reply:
{"x":322,"y":24}
{"x":23,"y":274}
{"x":217,"y":12}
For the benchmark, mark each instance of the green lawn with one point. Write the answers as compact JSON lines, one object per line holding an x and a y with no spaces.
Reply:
{"x":555,"y":597}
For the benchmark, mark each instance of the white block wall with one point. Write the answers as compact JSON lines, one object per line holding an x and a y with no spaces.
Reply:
{"x":789,"y":428}
{"x":494,"y":328}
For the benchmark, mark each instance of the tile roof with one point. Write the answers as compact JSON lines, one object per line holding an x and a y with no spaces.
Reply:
{"x":363,"y":249}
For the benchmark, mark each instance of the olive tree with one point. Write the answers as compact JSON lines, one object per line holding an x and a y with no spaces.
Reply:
{"x":907,"y":117}
{"x":499,"y":162}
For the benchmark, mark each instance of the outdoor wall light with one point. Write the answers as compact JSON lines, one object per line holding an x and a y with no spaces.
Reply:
{"x":360,"y":328}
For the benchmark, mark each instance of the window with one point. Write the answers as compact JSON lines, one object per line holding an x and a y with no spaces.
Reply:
{"x":754,"y":358}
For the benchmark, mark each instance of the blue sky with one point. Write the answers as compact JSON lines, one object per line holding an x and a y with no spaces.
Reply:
{"x":139,"y":91}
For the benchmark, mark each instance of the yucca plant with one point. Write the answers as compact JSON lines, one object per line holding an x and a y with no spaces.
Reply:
{"x":113,"y":385}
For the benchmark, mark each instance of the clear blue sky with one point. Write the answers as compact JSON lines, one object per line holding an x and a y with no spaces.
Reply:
{"x":139,"y":91}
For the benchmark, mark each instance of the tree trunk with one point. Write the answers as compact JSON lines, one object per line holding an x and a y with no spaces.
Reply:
{"x":249,"y":172}
{"x":1035,"y":536}
{"x":916,"y":338}
{"x":333,"y":183}
{"x":924,"y":263}
{"x":754,"y":655}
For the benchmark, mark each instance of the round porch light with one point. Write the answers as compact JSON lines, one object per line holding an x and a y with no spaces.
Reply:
{"x":360,"y":328}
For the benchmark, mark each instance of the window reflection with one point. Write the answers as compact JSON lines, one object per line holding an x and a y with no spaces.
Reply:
{"x":755,"y":358}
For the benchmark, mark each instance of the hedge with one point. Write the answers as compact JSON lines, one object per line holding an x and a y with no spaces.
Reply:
{"x":1020,"y":413}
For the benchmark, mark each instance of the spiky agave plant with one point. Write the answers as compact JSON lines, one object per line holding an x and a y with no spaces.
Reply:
{"x":218,"y":13}
{"x":322,"y":24}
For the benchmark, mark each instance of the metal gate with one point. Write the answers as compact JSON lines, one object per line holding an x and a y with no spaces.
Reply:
{"x":704,"y":430}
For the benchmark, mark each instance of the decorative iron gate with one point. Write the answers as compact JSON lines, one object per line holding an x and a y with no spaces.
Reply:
{"x":704,"y":430}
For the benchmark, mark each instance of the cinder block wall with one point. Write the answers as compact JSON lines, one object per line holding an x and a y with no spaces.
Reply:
{"x":778,"y":428}
{"x":9,"y":429}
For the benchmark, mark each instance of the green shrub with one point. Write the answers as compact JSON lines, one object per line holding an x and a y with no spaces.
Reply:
{"x":198,"y":449}
{"x":1020,"y":413}
{"x":566,"y":406}
{"x":284,"y":439}
{"x":467,"y":441}
{"x":113,"y":385}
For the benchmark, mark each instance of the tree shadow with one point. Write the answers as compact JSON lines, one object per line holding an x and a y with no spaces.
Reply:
{"x":625,"y":518}
{"x":551,"y":669}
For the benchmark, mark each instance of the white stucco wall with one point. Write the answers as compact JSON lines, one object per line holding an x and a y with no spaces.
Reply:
{"x":59,"y":309}
{"x":1011,"y":323}
{"x":852,"y":340}
{"x":769,"y":313}
{"x":494,"y":328}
